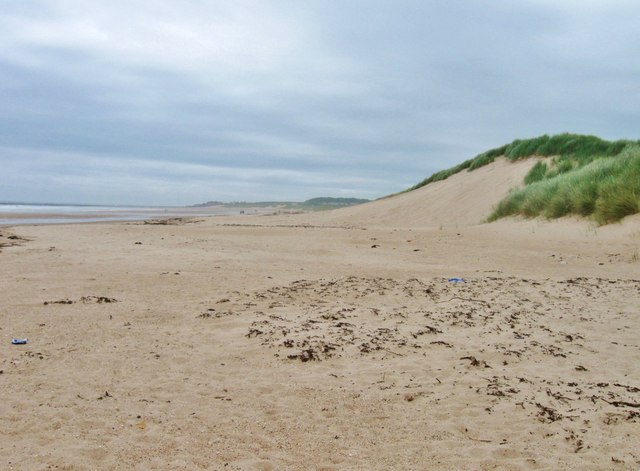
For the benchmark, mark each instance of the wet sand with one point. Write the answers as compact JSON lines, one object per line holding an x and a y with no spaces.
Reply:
{"x":89,"y":214}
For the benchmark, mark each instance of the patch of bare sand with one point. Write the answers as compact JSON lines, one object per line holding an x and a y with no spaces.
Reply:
{"x":465,"y":198}
{"x":265,"y":343}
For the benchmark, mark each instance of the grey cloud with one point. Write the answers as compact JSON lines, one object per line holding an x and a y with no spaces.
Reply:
{"x":295,"y":98}
{"x":161,"y":182}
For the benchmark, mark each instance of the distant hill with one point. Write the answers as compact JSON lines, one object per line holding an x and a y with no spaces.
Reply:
{"x":313,"y":204}
{"x":580,"y":175}
{"x":242,"y":204}
{"x":333,"y":202}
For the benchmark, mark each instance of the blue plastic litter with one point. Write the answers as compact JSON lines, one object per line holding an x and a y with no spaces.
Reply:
{"x":456,"y":280}
{"x":19,"y":341}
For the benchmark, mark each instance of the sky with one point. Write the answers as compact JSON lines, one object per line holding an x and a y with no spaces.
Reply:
{"x":158,"y":102}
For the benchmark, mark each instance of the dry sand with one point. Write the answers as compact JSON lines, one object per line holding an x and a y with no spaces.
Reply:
{"x":326,"y":341}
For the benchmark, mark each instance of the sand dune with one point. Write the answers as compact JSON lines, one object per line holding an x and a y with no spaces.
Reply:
{"x":329,"y":341}
{"x":463,"y":199}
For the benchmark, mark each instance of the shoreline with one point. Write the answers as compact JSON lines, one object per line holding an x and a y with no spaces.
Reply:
{"x":13,"y":219}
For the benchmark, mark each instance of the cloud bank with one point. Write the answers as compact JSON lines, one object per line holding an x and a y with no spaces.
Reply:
{"x":160,"y":102}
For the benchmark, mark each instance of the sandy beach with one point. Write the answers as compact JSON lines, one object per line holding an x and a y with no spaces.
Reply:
{"x":327,"y":341}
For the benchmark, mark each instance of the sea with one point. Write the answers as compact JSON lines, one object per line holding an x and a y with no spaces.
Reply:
{"x":13,"y":214}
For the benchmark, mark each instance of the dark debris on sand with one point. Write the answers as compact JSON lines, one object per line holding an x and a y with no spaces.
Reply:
{"x":518,"y":320}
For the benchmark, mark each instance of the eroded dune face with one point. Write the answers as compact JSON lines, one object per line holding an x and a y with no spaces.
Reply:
{"x":465,"y":198}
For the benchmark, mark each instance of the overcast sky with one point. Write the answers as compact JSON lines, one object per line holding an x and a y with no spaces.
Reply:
{"x":180,"y":102}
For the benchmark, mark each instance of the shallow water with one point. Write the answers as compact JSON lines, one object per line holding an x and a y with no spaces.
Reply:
{"x":19,"y":208}
{"x":66,"y":220}
{"x":12,"y":214}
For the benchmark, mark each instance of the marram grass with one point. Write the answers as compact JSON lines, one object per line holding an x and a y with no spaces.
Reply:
{"x":583,"y":175}
{"x":576,"y":149}
{"x":606,"y":189}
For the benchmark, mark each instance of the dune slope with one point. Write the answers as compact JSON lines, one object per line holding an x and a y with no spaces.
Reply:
{"x":463,"y":199}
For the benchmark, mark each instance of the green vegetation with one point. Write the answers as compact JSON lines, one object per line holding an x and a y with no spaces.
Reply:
{"x":537,"y":173}
{"x":583,"y":175}
{"x":442,"y":175}
{"x":328,"y":202}
{"x":313,"y":204}
{"x":606,"y":189}
{"x":576,"y":147}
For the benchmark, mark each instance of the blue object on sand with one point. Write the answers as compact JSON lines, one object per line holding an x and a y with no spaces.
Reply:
{"x":456,"y":280}
{"x":19,"y":341}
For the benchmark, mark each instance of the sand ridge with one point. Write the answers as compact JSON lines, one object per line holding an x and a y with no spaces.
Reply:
{"x":466,"y":198}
